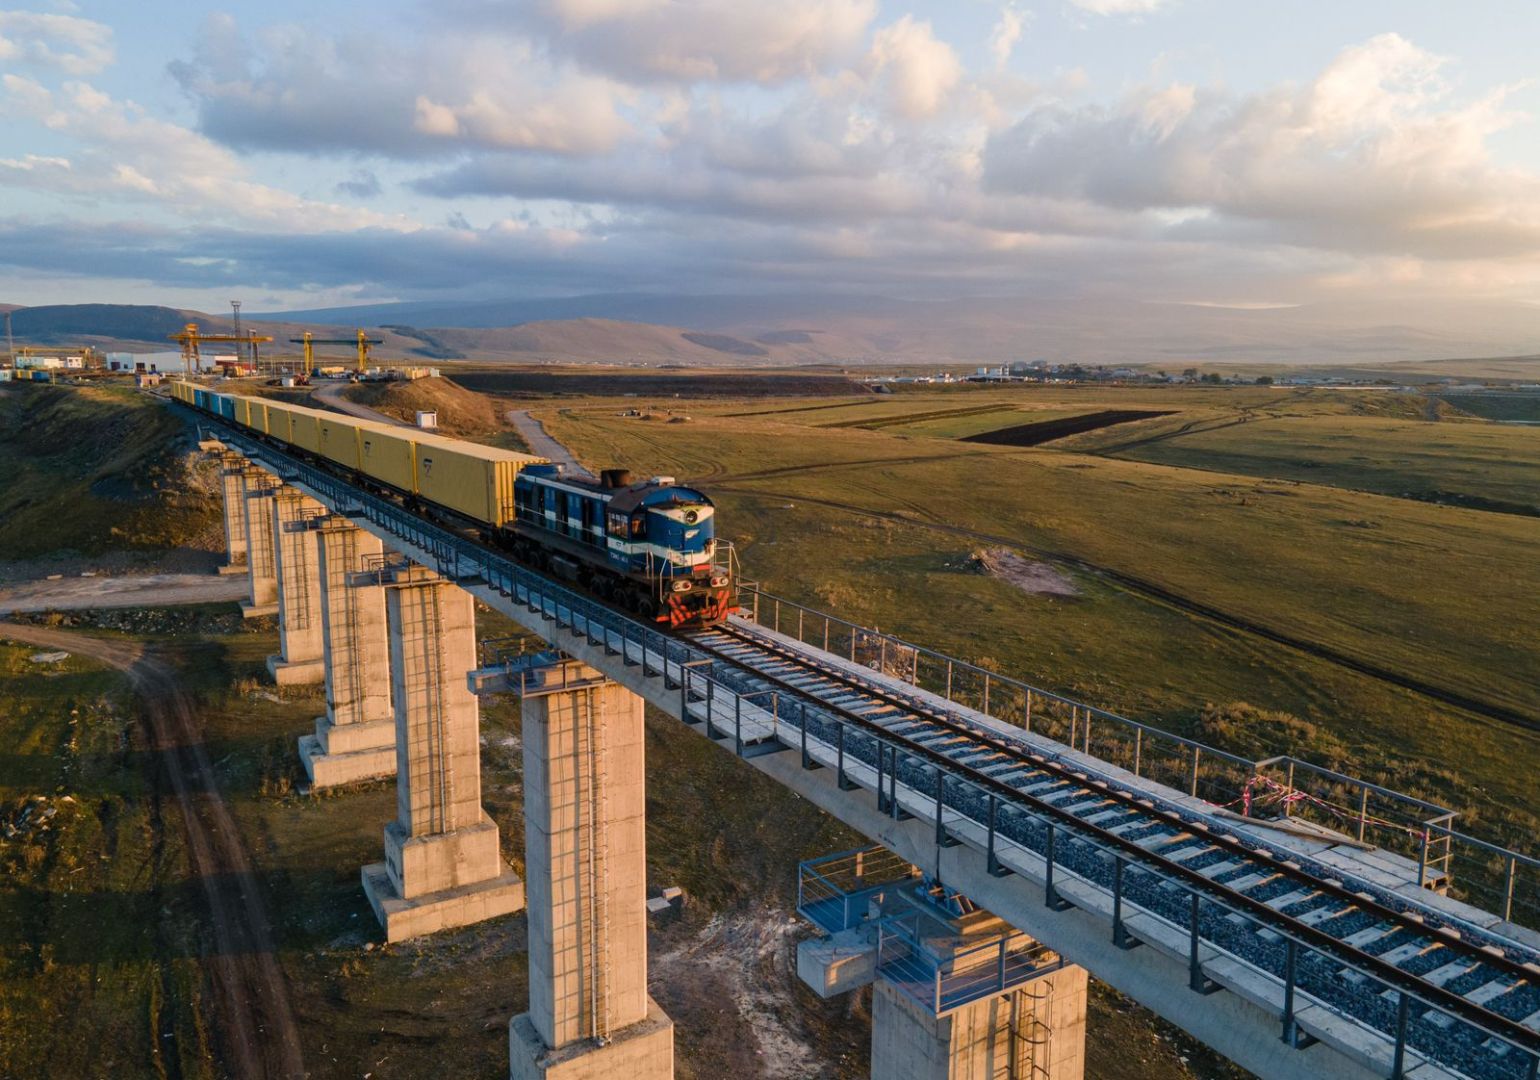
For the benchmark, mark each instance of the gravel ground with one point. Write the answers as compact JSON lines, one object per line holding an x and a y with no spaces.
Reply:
{"x":144,"y":590}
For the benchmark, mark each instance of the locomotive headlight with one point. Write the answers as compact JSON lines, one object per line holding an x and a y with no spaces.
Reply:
{"x":691,"y":517}
{"x":682,"y":585}
{"x":719,"y":581}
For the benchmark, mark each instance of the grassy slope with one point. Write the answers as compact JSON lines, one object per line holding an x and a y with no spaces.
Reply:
{"x":92,"y":470}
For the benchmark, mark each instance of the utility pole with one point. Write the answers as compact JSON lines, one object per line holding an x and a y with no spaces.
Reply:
{"x":10,"y":344}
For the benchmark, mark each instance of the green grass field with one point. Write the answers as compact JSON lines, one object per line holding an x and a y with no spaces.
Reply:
{"x":1431,"y":591}
{"x":1464,"y":463}
{"x":98,"y":916}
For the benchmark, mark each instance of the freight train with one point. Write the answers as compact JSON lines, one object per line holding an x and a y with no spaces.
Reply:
{"x":648,"y":547}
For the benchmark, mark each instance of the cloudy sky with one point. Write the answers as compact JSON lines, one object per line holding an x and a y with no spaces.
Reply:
{"x":1228,"y":152}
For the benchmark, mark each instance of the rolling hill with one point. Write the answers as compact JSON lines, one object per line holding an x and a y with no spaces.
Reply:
{"x":844,"y":330}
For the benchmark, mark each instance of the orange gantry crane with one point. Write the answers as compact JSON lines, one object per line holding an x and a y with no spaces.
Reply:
{"x":191,"y":338}
{"x":309,"y":341}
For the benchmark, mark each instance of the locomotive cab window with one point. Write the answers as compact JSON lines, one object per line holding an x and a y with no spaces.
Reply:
{"x":617,"y":526}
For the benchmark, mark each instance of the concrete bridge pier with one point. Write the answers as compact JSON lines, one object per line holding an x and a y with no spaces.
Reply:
{"x":299,"y":659}
{"x":231,"y":466}
{"x":1034,"y":1032}
{"x":590,"y":1015}
{"x":356,"y":739}
{"x":258,"y":490}
{"x":442,"y":865}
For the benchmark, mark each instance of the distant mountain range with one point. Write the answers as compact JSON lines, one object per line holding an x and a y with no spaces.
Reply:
{"x":843,"y":330}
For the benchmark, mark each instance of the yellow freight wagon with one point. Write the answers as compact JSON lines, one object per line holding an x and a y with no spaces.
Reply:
{"x":339,"y":440}
{"x":258,"y":415}
{"x":280,"y":421}
{"x":304,"y":428}
{"x":388,"y":454}
{"x":476,"y":481}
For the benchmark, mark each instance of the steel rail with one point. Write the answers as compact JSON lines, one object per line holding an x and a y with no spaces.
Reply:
{"x":1436,"y":996}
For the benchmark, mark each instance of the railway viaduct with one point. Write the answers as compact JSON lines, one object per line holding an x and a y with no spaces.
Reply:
{"x":1020,"y":840}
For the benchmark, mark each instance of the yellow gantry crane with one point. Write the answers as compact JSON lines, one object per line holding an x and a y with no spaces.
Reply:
{"x":191,"y":338}
{"x":309,"y":341}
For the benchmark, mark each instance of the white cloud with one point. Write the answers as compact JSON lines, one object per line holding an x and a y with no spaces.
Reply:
{"x":1006,"y":33}
{"x":292,"y":90}
{"x":693,"y":40}
{"x":1120,"y":7}
{"x":128,"y":153}
{"x":61,"y":43}
{"x":916,"y":69}
{"x":575,"y":116}
{"x":1370,"y":157}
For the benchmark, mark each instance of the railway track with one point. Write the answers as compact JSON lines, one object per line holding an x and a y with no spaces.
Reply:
{"x":1439,"y":988}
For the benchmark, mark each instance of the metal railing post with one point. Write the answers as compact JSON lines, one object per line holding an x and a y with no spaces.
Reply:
{"x":738,"y":725}
{"x":1051,"y":895}
{"x":1403,"y":1013}
{"x":1120,"y":936}
{"x":1513,"y":870}
{"x":1290,"y":961}
{"x":807,"y":759}
{"x":1195,"y":978}
{"x":942,"y":837}
{"x":882,"y":787}
{"x":991,"y":862}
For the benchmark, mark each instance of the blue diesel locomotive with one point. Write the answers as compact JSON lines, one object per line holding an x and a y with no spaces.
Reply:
{"x":647,"y":546}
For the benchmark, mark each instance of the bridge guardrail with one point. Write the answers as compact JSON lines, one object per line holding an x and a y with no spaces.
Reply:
{"x":1494,"y":877}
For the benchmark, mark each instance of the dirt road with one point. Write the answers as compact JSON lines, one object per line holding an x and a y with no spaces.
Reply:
{"x":140,"y":590}
{"x":259,"y":1038}
{"x":330,"y":393}
{"x":541,"y":443}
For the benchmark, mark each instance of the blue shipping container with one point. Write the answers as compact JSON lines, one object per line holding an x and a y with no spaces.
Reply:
{"x":226,"y":406}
